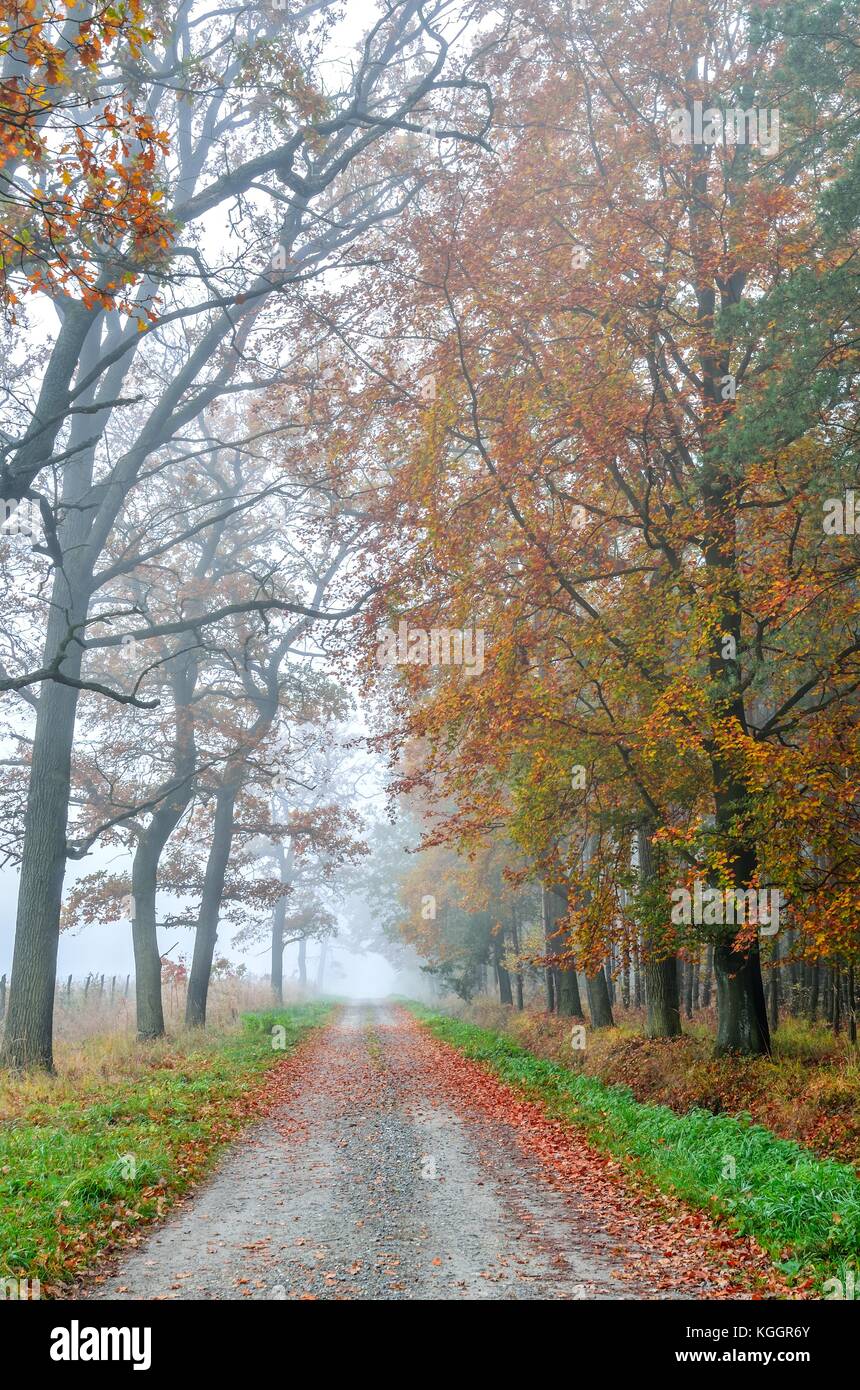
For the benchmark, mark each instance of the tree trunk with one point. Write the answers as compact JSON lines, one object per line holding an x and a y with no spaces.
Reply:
{"x":322,"y":964}
{"x":661,"y":991}
{"x":569,"y":1000}
{"x":278,"y":918}
{"x":625,"y":974}
{"x":741,"y":1014}
{"x":147,"y":857}
{"x":144,"y":932}
{"x":689,"y":980}
{"x":515,"y":942}
{"x":502,"y":976}
{"x":707,"y":977}
{"x":791,"y":976}
{"x":814,"y":986}
{"x":549,"y":985}
{"x":740,"y":990}
{"x":638,"y":993}
{"x":610,"y":980}
{"x":285,"y":860}
{"x":660,"y":968}
{"x":598,"y":1000}
{"x":773,"y":987}
{"x":565,"y":983}
{"x":207,"y":922}
{"x":549,"y":945}
{"x":28,"y":1038}
{"x":303,"y":962}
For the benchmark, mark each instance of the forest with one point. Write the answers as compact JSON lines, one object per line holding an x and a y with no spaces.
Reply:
{"x":430,"y":645}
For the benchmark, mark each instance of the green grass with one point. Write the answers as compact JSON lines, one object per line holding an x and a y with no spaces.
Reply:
{"x":77,"y":1157}
{"x":804,"y":1210}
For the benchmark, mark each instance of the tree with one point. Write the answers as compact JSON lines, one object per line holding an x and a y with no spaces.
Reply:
{"x":312,"y":840}
{"x":211,"y":333}
{"x":77,"y":155}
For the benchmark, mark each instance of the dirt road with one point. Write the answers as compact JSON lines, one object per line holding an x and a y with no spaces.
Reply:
{"x":392,"y":1172}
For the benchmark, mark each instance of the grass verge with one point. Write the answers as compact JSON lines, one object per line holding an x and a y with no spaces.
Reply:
{"x":807,"y":1091}
{"x":87,"y":1157}
{"x":803,"y":1210}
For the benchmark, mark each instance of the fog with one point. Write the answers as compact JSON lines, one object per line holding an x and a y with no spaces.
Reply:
{"x":105,"y":948}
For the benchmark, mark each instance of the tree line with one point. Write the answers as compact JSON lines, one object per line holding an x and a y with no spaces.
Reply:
{"x":626,"y":472}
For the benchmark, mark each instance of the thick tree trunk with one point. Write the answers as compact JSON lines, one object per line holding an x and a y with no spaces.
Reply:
{"x":28,"y":1038}
{"x":741,"y":1014}
{"x":505,"y":994}
{"x":503,"y":979}
{"x":660,"y":967}
{"x":569,"y":1001}
{"x":598,"y":1000}
{"x":741,"y":1010}
{"x":610,"y":981}
{"x":664,"y":1007}
{"x":550,"y":983}
{"x":791,"y":976}
{"x":207,"y":922}
{"x":144,"y":931}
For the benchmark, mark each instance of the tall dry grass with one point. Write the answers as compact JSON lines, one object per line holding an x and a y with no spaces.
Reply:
{"x":86,"y":1013}
{"x":95,"y":1043}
